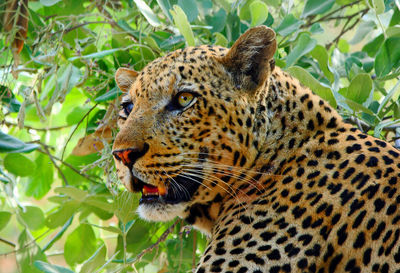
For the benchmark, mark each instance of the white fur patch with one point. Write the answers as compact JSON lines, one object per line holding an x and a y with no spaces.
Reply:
{"x":161,"y":212}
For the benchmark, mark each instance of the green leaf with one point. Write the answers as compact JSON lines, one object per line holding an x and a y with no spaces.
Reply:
{"x":147,"y":13}
{"x":62,"y":214}
{"x":190,"y":9}
{"x":289,"y":25}
{"x":4,"y":218}
{"x":182,"y":24}
{"x":126,"y":204}
{"x":110,"y":95}
{"x":387,"y":98}
{"x":27,"y":255}
{"x":10,"y":144}
{"x":18,"y":164}
{"x":387,"y":57}
{"x":393,"y":31}
{"x":360,"y":88}
{"x":321,"y":55}
{"x":356,"y":107}
{"x":74,"y":193}
{"x":343,"y":46}
{"x":259,"y":12}
{"x":308,"y":80}
{"x":49,"y":3}
{"x":372,"y":47}
{"x":51,"y":268}
{"x":244,"y":12}
{"x":220,"y":40}
{"x":304,"y":45}
{"x":100,"y":202}
{"x":99,"y":54}
{"x":109,"y":229}
{"x":165,"y":6}
{"x":95,"y":261}
{"x":79,"y":245}
{"x":313,"y":7}
{"x":40,"y":182}
{"x":217,"y":20}
{"x":377,"y":5}
{"x":33,"y":217}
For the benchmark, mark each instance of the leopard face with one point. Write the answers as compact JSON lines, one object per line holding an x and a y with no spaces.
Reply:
{"x":185,"y":122}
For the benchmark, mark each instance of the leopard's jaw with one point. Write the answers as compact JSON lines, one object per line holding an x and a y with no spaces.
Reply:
{"x":161,"y":212}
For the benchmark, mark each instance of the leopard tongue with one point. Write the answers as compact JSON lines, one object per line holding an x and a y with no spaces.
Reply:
{"x":148,"y":189}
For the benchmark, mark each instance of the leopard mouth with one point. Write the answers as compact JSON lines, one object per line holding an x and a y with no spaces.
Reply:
{"x":181,"y":190}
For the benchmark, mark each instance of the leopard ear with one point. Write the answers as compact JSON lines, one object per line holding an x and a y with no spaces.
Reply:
{"x":124,"y":78}
{"x":250,"y":59}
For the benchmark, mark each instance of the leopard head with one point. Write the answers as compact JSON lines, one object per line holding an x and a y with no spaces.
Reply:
{"x":189,"y":123}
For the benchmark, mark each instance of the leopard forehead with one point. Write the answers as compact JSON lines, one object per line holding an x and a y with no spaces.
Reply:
{"x":178,"y":69}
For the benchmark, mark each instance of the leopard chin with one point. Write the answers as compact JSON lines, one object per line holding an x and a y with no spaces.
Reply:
{"x":161,"y":211}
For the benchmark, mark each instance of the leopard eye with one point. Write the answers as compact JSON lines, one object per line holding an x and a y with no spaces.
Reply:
{"x":184,"y":99}
{"x":127,"y":107}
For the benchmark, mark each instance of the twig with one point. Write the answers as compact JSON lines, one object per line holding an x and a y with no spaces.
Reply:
{"x":7,"y":123}
{"x":162,"y":238}
{"x":7,"y":242}
{"x":73,"y":132}
{"x":46,"y":150}
{"x":346,"y":28}
{"x":327,"y":18}
{"x":65,"y":31}
{"x":68,"y":165}
{"x":363,"y":126}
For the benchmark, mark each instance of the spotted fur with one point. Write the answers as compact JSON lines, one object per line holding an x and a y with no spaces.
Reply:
{"x":274,"y":176}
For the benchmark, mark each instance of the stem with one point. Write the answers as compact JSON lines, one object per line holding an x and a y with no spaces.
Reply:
{"x":7,"y":242}
{"x":73,"y":132}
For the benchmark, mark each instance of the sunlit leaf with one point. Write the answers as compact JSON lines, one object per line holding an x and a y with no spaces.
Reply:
{"x":259,"y":12}
{"x":33,"y":217}
{"x":79,"y":245}
{"x":147,"y":13}
{"x":181,"y":22}
{"x":321,"y":55}
{"x":360,"y":88}
{"x":4,"y":218}
{"x":40,"y":182}
{"x":18,"y":164}
{"x":95,"y":261}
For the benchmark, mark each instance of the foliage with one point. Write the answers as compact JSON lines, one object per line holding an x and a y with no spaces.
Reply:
{"x":61,"y":206}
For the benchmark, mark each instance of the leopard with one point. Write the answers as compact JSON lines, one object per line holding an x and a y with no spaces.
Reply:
{"x":268,"y":170}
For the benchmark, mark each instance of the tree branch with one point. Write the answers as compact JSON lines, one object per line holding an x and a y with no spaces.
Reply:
{"x":346,"y":28}
{"x":7,"y":242}
{"x":327,"y":16}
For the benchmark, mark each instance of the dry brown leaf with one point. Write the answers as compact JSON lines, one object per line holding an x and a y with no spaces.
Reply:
{"x":93,"y":143}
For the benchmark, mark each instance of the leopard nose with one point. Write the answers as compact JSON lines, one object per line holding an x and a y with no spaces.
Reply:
{"x":130,"y":155}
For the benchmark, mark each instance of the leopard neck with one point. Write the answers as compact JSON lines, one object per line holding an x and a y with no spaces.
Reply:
{"x":294,"y":117}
